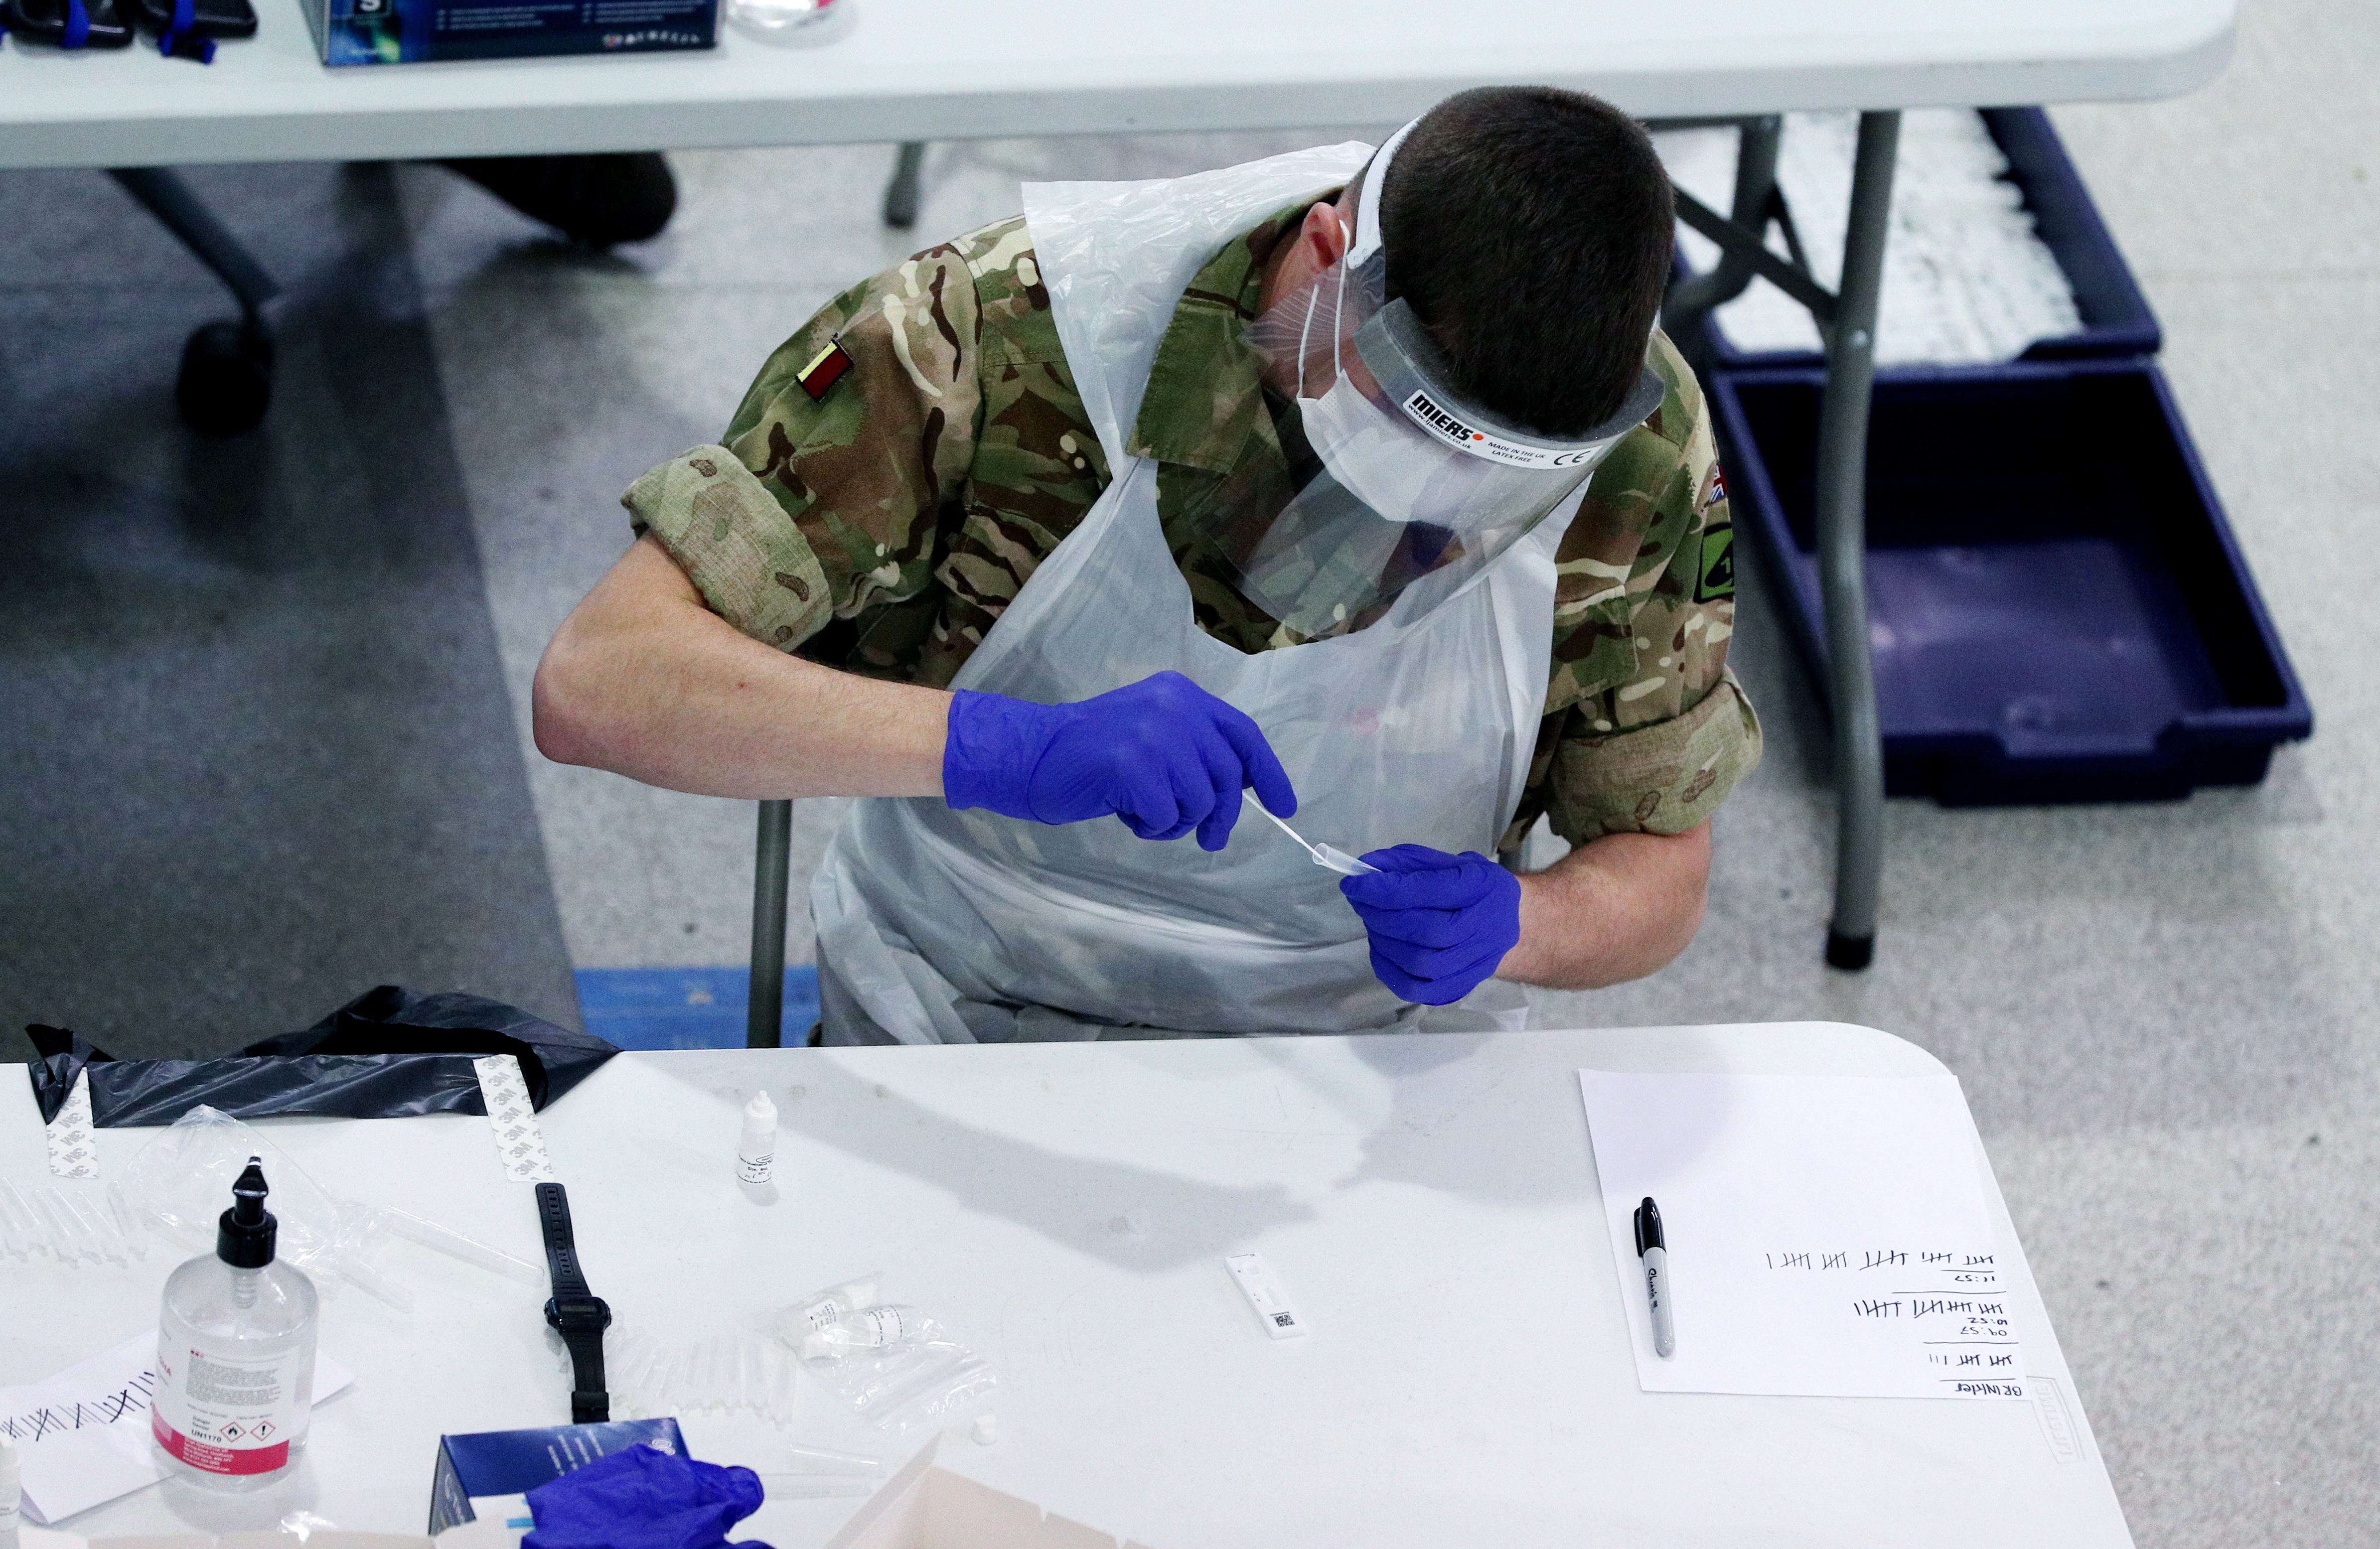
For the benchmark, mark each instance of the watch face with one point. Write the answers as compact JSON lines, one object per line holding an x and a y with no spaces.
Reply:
{"x":579,"y":1308}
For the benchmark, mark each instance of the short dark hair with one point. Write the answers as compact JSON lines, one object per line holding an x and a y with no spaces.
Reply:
{"x":1529,"y":229}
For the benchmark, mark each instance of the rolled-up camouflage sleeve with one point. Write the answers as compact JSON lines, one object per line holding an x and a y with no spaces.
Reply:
{"x":820,"y":507}
{"x":1646,"y":730}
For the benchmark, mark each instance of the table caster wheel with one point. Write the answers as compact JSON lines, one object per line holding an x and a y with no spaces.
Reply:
{"x":227,"y":379}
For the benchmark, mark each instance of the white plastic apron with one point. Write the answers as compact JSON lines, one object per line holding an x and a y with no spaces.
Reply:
{"x":937,"y":925}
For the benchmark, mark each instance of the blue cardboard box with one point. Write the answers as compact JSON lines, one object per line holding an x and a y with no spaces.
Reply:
{"x":408,"y":31}
{"x":489,"y":1463}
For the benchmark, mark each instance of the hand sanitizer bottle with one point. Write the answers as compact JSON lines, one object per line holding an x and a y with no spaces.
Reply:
{"x":235,"y":1354}
{"x":12,"y":1492}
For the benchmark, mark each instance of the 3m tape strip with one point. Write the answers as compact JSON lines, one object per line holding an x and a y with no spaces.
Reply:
{"x":519,"y":1142}
{"x":1264,"y":1293}
{"x":73,"y":1151}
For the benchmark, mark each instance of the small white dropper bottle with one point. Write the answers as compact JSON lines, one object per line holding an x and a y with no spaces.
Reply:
{"x":755,"y":1149}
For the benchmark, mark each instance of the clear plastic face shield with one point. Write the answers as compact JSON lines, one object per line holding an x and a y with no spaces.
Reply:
{"x":1399,"y":478}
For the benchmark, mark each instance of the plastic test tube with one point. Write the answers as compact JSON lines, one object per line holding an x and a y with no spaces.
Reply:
{"x":810,"y":1486}
{"x":812,"y":1472}
{"x":756,"y":1376}
{"x":20,"y":1234}
{"x":706,"y":1375}
{"x":447,"y":1241}
{"x":128,"y":1222}
{"x":818,"y":1459}
{"x":68,"y":1240}
{"x":25,"y":1224}
{"x":94,"y":1228}
{"x":718,"y":1373}
{"x":781,"y":1387}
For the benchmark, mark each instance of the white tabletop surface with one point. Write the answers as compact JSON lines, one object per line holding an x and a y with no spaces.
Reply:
{"x":1430,"y":1203}
{"x":944,"y":69}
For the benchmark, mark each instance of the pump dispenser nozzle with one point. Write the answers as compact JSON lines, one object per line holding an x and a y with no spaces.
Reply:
{"x":245,"y":1233}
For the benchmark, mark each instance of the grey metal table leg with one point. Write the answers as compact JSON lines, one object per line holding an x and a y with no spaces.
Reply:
{"x":1842,"y":550}
{"x":764,"y":1021}
{"x":901,"y":194}
{"x":166,"y":196}
{"x":1756,"y":183}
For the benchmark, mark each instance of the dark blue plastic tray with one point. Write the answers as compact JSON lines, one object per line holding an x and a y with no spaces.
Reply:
{"x":2057,"y":608}
{"x":2115,"y":315}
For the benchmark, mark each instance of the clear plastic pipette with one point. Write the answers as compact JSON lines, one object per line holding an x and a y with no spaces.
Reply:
{"x":1329,"y":856}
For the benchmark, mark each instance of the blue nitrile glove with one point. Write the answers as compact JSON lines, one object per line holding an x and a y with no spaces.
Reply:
{"x":1438,"y":922}
{"x":1162,"y":754}
{"x":641,"y":1499}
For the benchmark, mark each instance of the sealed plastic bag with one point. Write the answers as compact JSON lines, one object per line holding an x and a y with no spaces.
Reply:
{"x":894,"y":1366}
{"x":387,"y":1054}
{"x":180,"y":1182}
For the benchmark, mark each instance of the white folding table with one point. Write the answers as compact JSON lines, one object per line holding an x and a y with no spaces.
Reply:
{"x":912,"y":70}
{"x":1430,"y":1203}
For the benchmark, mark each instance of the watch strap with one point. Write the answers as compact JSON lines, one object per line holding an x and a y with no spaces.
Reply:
{"x":560,"y":1246}
{"x":575,"y":1312}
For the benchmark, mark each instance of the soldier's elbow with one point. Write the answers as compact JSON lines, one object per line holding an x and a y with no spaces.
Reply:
{"x":568,"y":715}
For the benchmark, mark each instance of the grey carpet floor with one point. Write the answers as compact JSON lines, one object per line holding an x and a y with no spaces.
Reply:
{"x":257,"y":751}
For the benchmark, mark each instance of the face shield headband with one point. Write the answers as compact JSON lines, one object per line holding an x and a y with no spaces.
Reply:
{"x":1408,"y":480}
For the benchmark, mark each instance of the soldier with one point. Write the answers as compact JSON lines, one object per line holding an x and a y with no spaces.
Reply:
{"x":1268,"y":478}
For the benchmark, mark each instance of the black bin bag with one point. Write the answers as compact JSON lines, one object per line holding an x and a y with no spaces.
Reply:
{"x":387,"y":1054}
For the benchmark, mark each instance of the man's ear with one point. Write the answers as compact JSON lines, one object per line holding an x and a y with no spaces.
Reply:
{"x":1327,"y":232}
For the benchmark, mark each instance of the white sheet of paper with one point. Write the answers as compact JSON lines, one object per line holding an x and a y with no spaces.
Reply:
{"x":83,"y":1435}
{"x":1827,"y":1235}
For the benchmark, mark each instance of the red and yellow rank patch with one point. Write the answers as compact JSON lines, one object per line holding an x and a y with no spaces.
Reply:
{"x":824,"y":370}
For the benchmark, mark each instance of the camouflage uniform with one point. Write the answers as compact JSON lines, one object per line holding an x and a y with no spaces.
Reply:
{"x":882,"y":526}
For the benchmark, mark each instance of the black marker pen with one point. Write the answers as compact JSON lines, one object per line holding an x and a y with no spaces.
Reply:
{"x":1656,"y":1259}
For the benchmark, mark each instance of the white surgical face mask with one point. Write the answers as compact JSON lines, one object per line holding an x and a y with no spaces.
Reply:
{"x":1385,"y":464}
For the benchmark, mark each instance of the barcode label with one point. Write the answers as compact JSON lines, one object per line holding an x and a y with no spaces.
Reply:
{"x":1264,"y":1293}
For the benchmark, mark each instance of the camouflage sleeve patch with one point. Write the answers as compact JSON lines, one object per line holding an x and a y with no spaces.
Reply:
{"x":1645,"y":606}
{"x":1645,"y":591}
{"x":734,"y":543}
{"x":857,"y":464}
{"x":1661,"y":779}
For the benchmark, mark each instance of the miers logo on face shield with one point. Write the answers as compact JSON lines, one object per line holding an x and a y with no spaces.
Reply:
{"x":1420,"y":406}
{"x":1454,"y":430}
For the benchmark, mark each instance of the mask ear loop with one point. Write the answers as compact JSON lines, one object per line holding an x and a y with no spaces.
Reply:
{"x":1313,"y":294}
{"x":1305,"y":331}
{"x":1338,"y":316}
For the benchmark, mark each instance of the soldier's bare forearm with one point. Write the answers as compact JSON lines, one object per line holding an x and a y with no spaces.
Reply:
{"x":644,"y":680}
{"x":1614,"y":909}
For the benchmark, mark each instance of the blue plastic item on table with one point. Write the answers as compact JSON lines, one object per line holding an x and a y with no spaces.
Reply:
{"x":474,"y":1465}
{"x":2058,"y":610}
{"x":1438,"y":923}
{"x":642,"y":1498}
{"x":1162,"y":754}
